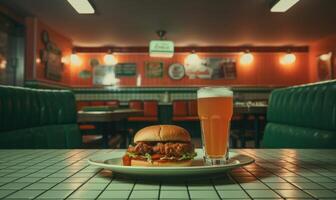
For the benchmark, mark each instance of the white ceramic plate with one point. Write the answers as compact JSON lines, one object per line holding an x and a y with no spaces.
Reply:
{"x":198,"y":167}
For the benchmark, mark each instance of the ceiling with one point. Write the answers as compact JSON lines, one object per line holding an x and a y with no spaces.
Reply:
{"x":188,"y":22}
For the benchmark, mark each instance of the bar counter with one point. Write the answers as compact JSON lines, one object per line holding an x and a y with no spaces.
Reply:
{"x":66,"y":174}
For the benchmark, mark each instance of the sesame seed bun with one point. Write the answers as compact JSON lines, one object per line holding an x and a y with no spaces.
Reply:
{"x":162,"y":133}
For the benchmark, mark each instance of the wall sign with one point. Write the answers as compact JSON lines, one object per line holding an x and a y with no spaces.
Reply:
{"x":161,"y":48}
{"x":125,"y":69}
{"x":51,"y":57}
{"x":212,"y":68}
{"x":154,"y":69}
{"x":176,"y":71}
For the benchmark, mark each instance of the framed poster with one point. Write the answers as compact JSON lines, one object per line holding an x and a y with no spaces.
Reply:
{"x":154,"y":69}
{"x":125,"y":69}
{"x":229,"y":69}
{"x":176,"y":71}
{"x":324,"y":66}
{"x":51,"y":57}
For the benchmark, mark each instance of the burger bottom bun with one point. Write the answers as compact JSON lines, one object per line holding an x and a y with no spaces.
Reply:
{"x":144,"y":163}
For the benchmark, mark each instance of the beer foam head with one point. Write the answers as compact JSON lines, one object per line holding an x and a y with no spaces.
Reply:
{"x":207,"y":92}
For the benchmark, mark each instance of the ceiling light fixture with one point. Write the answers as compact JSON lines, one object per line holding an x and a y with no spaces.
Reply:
{"x":82,"y":6}
{"x":282,"y":5}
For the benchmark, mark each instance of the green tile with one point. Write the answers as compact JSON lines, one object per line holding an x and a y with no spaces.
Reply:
{"x":67,"y":186}
{"x":40,"y":186}
{"x":200,"y":187}
{"x":322,"y":193}
{"x":252,"y":186}
{"x":292,"y":194}
{"x":309,"y":185}
{"x":114,"y":195}
{"x":144,"y":194}
{"x":51,"y":180}
{"x":56,"y":194}
{"x":262,"y":194}
{"x":272,"y":179}
{"x":173,"y":187}
{"x":227,"y":187}
{"x":27,"y":180}
{"x":144,"y":186}
{"x":203,"y":194}
{"x":14,"y":186}
{"x":93,"y":186}
{"x":4,"y":193}
{"x":281,"y":186}
{"x":99,"y":180}
{"x":331,"y":186}
{"x":120,"y":186}
{"x":296,"y":179}
{"x":25,"y":194}
{"x":321,"y":179}
{"x":168,"y":194}
{"x":85,"y":194}
{"x":76,"y":180}
{"x":232,"y":194}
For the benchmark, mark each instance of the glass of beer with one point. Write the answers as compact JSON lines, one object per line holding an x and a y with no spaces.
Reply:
{"x":215,"y":108}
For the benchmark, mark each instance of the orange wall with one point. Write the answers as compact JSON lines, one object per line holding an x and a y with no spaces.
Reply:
{"x":35,"y":70}
{"x":317,"y":48}
{"x":264,"y":71}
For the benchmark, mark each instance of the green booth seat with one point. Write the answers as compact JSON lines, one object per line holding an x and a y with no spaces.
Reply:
{"x":302,"y":117}
{"x":33,"y":118}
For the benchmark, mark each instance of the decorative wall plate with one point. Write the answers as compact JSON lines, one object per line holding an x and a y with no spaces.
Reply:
{"x":176,"y":71}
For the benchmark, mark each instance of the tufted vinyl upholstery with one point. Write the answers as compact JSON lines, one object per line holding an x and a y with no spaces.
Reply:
{"x":302,"y":117}
{"x":32,"y":118}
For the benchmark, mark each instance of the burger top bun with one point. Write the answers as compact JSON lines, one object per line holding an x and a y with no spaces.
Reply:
{"x":162,"y":133}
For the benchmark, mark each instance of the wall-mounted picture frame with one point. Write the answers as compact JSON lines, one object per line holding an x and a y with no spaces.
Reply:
{"x":154,"y":69}
{"x":176,"y":71}
{"x":125,"y":69}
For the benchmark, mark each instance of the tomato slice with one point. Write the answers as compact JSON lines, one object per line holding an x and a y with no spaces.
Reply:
{"x":127,"y":160}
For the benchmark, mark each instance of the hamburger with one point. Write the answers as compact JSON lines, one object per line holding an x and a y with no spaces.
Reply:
{"x":160,"y":146}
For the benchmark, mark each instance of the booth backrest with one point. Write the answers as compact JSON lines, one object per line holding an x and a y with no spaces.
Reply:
{"x":24,"y":108}
{"x":309,"y":109}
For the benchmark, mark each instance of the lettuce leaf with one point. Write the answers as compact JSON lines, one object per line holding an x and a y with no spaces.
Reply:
{"x":188,"y":156}
{"x":131,"y":154}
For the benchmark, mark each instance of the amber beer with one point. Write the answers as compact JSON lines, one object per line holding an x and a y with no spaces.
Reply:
{"x":215,"y":108}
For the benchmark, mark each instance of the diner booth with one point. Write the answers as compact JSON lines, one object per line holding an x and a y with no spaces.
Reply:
{"x":81,"y":80}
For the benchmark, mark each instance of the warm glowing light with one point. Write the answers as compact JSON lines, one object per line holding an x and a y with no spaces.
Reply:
{"x":246,"y":58}
{"x":38,"y":60}
{"x":3,"y":64}
{"x":288,"y":59}
{"x":110,"y":79}
{"x":325,"y":57}
{"x":283,"y":5}
{"x":110,"y":59}
{"x":82,"y":6}
{"x":75,"y":60}
{"x":192,"y":59}
{"x":65,"y":60}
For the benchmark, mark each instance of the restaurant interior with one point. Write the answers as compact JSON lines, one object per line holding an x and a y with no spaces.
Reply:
{"x":84,"y":76}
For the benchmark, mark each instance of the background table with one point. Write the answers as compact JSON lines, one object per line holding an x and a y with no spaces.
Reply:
{"x":60,"y":174}
{"x":105,"y":120}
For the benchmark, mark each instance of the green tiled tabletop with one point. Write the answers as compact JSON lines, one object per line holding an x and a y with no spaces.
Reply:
{"x":65,"y":174}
